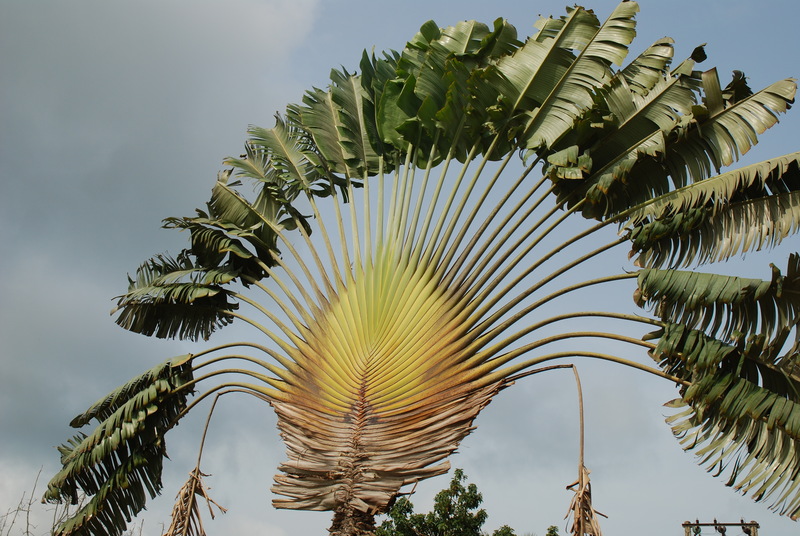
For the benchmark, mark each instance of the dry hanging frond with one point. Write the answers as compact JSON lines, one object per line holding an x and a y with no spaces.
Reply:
{"x":186,"y":520}
{"x":584,"y":516}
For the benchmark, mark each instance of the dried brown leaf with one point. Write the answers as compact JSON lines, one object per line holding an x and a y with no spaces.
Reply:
{"x":584,"y":517}
{"x":186,"y":519}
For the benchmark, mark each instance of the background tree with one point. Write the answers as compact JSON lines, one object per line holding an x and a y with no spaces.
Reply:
{"x":427,"y":285}
{"x":455,"y":512}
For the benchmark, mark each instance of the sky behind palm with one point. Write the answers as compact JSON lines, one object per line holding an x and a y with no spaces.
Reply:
{"x":116,"y":114}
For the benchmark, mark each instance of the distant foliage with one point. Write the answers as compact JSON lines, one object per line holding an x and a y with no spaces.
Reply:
{"x":455,"y":513}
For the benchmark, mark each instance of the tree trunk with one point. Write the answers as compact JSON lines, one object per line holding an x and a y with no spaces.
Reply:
{"x":347,"y":521}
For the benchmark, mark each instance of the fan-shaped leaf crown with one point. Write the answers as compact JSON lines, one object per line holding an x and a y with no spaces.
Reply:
{"x":427,"y":284}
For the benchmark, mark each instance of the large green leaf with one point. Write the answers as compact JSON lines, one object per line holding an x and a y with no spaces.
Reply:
{"x":665,"y":137}
{"x":526,"y":78}
{"x":358,"y":132}
{"x":692,"y":355}
{"x":236,"y":234}
{"x":625,"y":133}
{"x":753,"y":181}
{"x":740,"y":410}
{"x":573,"y":92}
{"x":748,"y":208}
{"x":430,"y":99}
{"x":649,"y":67}
{"x":748,"y":431}
{"x":175,"y":298}
{"x":289,"y":155}
{"x":320,"y":115}
{"x":637,"y":130}
{"x":704,"y":235}
{"x":727,"y":306}
{"x":120,"y":462}
{"x":717,"y":138}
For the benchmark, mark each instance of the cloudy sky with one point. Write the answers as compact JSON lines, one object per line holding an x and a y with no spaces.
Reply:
{"x":117,"y":113}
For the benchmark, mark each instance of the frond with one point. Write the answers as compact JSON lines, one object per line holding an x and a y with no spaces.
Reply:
{"x":625,"y":133}
{"x":747,"y":430}
{"x":320,"y":115}
{"x":717,"y":137}
{"x":120,"y":462}
{"x":429,"y":100}
{"x":358,"y":133}
{"x":664,"y":136}
{"x":695,"y":146}
{"x":723,"y":305}
{"x":175,"y":298}
{"x":742,"y":210}
{"x":215,"y":244}
{"x":756,"y":180}
{"x":296,"y":166}
{"x":573,"y":92}
{"x":727,"y":336}
{"x":692,"y":355}
{"x":650,"y":67}
{"x":638,"y":131}
{"x":700,"y":236}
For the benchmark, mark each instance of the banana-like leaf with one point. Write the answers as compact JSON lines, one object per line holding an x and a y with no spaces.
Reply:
{"x":254,"y":164}
{"x":739,"y":413}
{"x":692,"y":355}
{"x":625,"y":134}
{"x":703,"y":142}
{"x":650,"y":67}
{"x":770,"y":176}
{"x":744,"y":209}
{"x":527,"y":78}
{"x":320,"y":115}
{"x":213,"y":243}
{"x":641,"y":124}
{"x":120,"y":462}
{"x":430,"y":101}
{"x":426,"y":62}
{"x":667,"y":121}
{"x":723,"y":305}
{"x":703,"y":235}
{"x":358,"y":134}
{"x":747,"y":430}
{"x":717,"y":139}
{"x":175,"y":298}
{"x":344,"y":120}
{"x":573,"y":92}
{"x":288,"y":154}
{"x":469,"y":42}
{"x":237,"y":234}
{"x":261,"y":217}
{"x":234,"y":240}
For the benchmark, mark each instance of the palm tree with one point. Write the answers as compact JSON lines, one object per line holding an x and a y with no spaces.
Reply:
{"x":400,"y":267}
